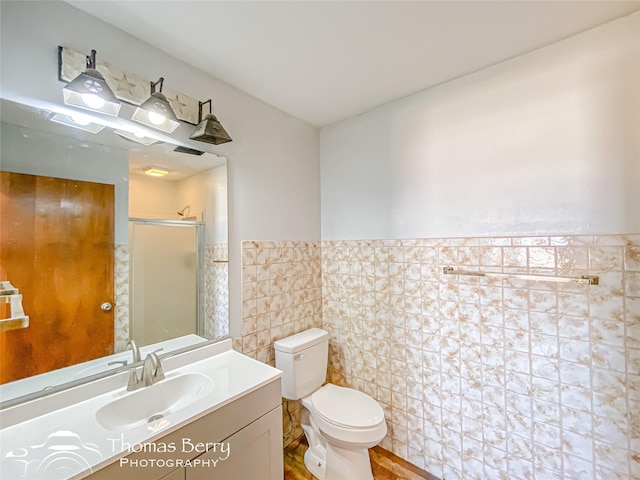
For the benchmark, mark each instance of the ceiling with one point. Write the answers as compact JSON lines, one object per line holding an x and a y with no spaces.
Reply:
{"x":323,"y":61}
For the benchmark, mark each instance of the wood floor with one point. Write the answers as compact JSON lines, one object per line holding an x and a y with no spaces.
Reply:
{"x":385,"y":465}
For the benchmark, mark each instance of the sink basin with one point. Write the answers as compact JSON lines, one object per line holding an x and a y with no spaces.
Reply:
{"x":149,"y":405}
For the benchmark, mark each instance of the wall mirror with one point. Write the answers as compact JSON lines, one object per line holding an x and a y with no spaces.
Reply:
{"x":103,"y":253}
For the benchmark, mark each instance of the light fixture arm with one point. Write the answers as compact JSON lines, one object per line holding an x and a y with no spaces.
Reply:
{"x":209,"y":130}
{"x":91,"y":60}
{"x":153,"y":85}
{"x":202,"y":104}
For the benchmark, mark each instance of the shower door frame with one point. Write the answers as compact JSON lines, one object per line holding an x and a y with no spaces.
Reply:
{"x":200,"y":258}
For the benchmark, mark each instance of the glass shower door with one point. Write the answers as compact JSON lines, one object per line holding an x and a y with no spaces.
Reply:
{"x":164,"y":287}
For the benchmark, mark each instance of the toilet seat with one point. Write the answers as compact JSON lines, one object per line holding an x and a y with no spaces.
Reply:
{"x":346,"y":407}
{"x":347,"y":417}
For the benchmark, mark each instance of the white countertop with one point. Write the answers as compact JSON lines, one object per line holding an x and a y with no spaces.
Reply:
{"x":60,"y":433}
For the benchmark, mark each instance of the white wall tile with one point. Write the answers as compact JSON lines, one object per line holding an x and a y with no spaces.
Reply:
{"x":542,"y":352}
{"x":482,"y":360}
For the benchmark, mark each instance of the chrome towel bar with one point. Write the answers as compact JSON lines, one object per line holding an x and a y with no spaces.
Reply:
{"x":584,"y":279}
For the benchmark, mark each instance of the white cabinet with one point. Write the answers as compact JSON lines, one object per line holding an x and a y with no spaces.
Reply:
{"x":255,"y":452}
{"x":178,"y":474}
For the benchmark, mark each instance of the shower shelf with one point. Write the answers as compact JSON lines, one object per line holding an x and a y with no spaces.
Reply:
{"x":17,"y":319}
{"x":584,"y":279}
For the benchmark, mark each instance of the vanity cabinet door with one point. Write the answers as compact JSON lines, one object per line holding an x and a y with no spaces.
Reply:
{"x":255,"y":453}
{"x":179,"y":474}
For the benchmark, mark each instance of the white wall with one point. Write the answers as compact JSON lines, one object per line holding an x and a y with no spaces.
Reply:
{"x":273,"y":171}
{"x":206,"y":194}
{"x":153,"y":198}
{"x":547,"y":143}
{"x":35,"y":152}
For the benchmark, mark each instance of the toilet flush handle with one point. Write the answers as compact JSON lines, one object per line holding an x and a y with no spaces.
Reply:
{"x":300,"y":356}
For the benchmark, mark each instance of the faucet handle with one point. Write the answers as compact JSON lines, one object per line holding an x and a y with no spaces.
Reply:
{"x":152,"y":370}
{"x":159,"y":372}
{"x":134,"y":381}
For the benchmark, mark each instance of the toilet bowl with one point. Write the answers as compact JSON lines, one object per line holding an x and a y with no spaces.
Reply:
{"x":340,"y":423}
{"x":345,"y":424}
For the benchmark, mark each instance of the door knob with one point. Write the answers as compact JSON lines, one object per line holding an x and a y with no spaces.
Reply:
{"x":106,"y":306}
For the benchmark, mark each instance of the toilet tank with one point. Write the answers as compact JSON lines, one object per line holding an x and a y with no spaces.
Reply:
{"x":303,"y":360}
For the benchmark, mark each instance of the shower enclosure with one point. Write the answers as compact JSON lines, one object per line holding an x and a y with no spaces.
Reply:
{"x":166,"y":281}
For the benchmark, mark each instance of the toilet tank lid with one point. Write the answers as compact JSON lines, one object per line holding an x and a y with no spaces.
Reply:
{"x":300,"y":341}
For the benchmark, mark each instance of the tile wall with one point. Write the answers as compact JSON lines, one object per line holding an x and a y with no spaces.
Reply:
{"x":281,"y":295}
{"x":216,"y":295}
{"x":499,"y":379}
{"x":121,"y":319}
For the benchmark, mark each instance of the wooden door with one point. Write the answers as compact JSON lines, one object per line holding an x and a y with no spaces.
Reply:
{"x":57,"y":248}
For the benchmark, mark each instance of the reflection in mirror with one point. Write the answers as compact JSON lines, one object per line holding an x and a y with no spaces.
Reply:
{"x":67,"y":199}
{"x":164,"y":279}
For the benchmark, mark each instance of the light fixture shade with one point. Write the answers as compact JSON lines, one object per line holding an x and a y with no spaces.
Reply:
{"x":156,"y":112}
{"x":90,"y":91}
{"x":143,"y":139}
{"x":209,"y":130}
{"x":77,"y":121}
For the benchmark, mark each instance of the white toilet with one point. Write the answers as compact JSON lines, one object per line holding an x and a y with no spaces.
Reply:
{"x":340,"y":423}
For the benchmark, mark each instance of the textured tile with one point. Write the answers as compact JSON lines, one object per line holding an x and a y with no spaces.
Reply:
{"x":121,"y":319}
{"x":550,"y":370}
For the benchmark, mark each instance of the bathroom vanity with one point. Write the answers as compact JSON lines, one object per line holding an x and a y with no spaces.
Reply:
{"x":216,"y":414}
{"x":243,"y":439}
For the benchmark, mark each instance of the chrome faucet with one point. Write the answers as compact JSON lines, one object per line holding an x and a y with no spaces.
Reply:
{"x":151,"y":373}
{"x":136,"y":351}
{"x":152,"y":370}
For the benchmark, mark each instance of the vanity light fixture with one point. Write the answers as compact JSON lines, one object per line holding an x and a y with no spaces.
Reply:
{"x":137,"y":137}
{"x":209,"y":130}
{"x":77,"y":121}
{"x":90,"y":91}
{"x":156,"y":112}
{"x":156,"y":171}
